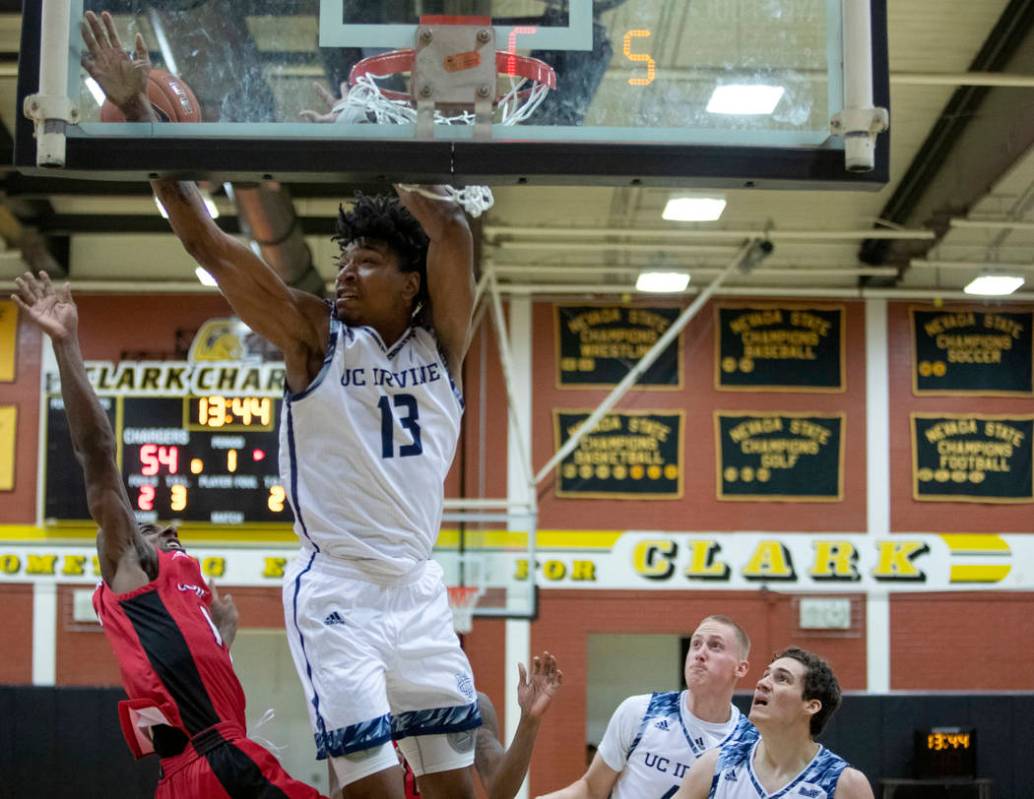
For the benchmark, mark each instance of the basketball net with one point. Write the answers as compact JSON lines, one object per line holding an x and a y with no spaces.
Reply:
{"x":463,"y":599}
{"x":366,"y":102}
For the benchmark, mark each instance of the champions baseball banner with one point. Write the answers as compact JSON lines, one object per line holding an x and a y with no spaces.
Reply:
{"x":961,"y":351}
{"x":779,"y":456}
{"x":784,"y":347}
{"x":972,"y":458}
{"x":638,"y":560}
{"x":596,"y":346}
{"x":634,"y":455}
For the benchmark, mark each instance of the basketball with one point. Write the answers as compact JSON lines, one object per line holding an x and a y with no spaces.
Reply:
{"x":172,"y":100}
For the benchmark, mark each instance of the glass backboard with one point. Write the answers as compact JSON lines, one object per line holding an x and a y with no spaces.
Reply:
{"x":721,"y":92}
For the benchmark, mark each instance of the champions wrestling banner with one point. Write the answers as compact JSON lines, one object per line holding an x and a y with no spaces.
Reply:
{"x":633,"y":455}
{"x":972,"y":458}
{"x":784,"y":347}
{"x":596,"y":346}
{"x":963,"y":351}
{"x":779,"y":456}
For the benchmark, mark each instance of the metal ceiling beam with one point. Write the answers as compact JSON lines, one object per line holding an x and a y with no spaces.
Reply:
{"x":912,"y":202}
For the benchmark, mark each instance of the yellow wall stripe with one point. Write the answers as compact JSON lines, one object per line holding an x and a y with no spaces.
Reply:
{"x":974,"y":543}
{"x":979,"y":574}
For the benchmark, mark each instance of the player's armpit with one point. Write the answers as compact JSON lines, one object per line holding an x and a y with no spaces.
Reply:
{"x":853,"y":785}
{"x":596,"y":783}
{"x":697,"y":783}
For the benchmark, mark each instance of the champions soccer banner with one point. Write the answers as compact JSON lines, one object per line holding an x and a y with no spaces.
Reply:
{"x":972,"y":352}
{"x":637,"y":560}
{"x":780,"y":347}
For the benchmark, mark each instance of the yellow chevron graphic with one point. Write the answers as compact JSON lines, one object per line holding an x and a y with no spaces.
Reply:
{"x":976,"y":544}
{"x":972,"y":573}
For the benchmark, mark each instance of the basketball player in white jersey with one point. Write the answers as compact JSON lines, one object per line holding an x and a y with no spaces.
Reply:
{"x":793,"y":700}
{"x":652,"y":740}
{"x":369,"y":427}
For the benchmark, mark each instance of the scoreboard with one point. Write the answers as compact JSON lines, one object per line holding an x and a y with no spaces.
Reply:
{"x":208,"y":459}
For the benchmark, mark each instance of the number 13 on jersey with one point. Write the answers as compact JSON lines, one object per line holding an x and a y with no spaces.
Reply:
{"x":408,"y":413}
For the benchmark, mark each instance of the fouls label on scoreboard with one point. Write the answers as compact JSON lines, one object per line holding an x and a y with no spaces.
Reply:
{"x":779,"y":348}
{"x":970,"y":351}
{"x":635,"y":455}
{"x":780,"y":456}
{"x":972,"y":458}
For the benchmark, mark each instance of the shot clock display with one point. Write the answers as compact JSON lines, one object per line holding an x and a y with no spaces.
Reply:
{"x":210,"y":459}
{"x":946,"y":752}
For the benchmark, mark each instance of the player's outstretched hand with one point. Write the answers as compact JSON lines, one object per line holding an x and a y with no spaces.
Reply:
{"x":224,"y":614}
{"x":536,"y":691}
{"x":122,"y":76}
{"x":329,"y":100}
{"x":52,"y":309}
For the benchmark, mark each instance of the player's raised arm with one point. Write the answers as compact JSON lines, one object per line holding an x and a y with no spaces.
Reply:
{"x":697,"y":783}
{"x":502,"y":772}
{"x":55,"y":313}
{"x":450,"y":269}
{"x":293,"y":321}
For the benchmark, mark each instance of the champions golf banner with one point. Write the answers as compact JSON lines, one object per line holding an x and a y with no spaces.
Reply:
{"x":972,"y":458}
{"x":634,"y":455}
{"x":765,"y":456}
{"x":958,"y":352}
{"x":784,"y":347}
{"x":596,"y":346}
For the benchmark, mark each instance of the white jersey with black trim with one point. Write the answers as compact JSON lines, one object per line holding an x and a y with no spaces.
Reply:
{"x":734,"y":776}
{"x":364,"y":450}
{"x":653,"y":739}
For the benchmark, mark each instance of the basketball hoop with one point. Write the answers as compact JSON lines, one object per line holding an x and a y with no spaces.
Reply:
{"x":454,"y":88}
{"x":463,"y":599}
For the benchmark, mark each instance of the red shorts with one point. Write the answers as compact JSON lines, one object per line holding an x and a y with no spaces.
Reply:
{"x":221,"y":763}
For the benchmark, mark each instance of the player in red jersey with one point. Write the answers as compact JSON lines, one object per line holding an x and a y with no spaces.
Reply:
{"x":170,"y":632}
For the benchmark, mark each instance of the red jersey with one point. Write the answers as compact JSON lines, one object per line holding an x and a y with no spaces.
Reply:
{"x":170,"y":652}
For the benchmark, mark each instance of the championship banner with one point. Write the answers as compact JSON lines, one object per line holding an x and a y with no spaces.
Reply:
{"x":633,"y":455}
{"x":8,"y":339}
{"x":8,"y":439}
{"x":779,"y":456}
{"x":597,"y":346}
{"x":960,"y":352}
{"x":972,"y":458}
{"x":637,"y":560}
{"x":780,"y":348}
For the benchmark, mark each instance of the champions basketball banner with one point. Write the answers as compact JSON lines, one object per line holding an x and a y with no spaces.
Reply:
{"x":779,"y":456}
{"x":596,"y":346}
{"x":972,"y":458}
{"x":963,"y":351}
{"x":637,"y":560}
{"x":634,"y":455}
{"x":784,"y":347}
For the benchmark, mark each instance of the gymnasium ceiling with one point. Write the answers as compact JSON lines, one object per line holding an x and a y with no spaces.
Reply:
{"x":960,"y":199}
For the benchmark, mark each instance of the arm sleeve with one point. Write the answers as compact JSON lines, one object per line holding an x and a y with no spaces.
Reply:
{"x":622,"y":730}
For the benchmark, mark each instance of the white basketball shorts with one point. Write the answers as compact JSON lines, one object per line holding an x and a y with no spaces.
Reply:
{"x":378,"y":658}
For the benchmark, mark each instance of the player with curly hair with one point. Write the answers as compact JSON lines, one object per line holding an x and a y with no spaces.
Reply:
{"x":369,"y":426}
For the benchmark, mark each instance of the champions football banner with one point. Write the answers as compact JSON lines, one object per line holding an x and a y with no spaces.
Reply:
{"x":780,"y":456}
{"x":962,"y":351}
{"x":972,"y":458}
{"x":633,"y":455}
{"x":596,"y":346}
{"x":784,"y":347}
{"x":636,"y":560}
